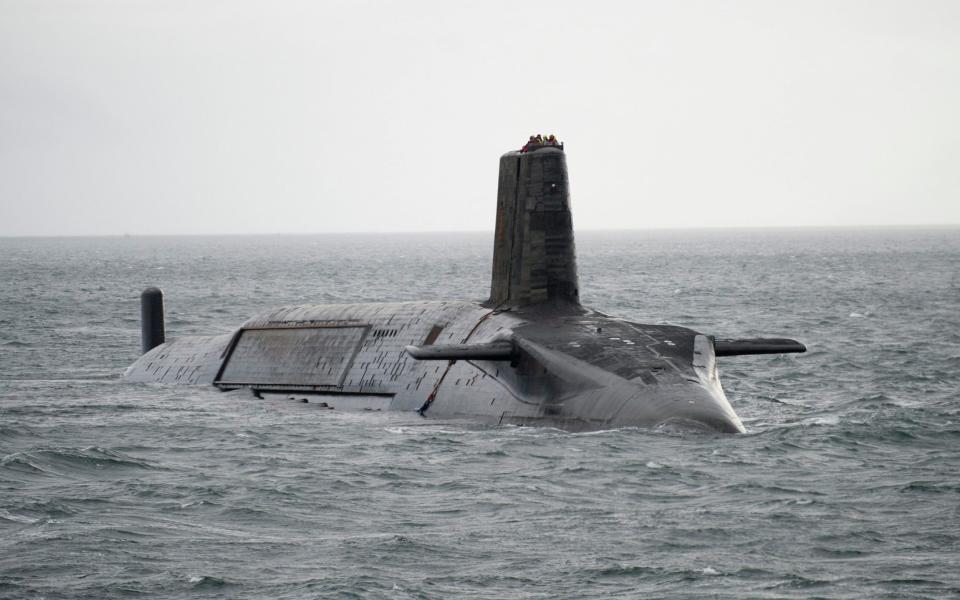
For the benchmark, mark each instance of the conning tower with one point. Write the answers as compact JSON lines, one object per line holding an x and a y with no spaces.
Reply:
{"x":534,"y":259}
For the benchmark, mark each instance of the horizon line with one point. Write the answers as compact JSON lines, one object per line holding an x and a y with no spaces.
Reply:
{"x":489,"y":231}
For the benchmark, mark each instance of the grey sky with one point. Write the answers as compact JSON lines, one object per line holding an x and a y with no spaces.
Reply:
{"x":144,"y":117}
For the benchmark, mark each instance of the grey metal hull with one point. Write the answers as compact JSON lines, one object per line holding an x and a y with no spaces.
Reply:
{"x":578,"y":369}
{"x":529,"y":355}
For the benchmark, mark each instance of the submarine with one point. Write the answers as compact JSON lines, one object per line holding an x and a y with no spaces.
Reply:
{"x":529,"y":355}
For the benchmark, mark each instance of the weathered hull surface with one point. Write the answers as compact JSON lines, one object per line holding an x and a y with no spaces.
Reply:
{"x":575,"y":369}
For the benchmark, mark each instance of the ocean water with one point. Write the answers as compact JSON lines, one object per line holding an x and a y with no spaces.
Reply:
{"x":847,"y":484}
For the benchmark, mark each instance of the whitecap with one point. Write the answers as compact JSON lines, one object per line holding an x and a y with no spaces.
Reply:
{"x":8,"y":516}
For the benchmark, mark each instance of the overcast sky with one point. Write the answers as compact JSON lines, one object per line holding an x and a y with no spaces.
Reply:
{"x":156,"y":117}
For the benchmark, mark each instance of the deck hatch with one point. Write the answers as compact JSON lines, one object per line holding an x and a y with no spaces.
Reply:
{"x":311,"y":357}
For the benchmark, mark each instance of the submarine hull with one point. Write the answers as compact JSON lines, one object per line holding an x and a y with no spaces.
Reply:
{"x":576,"y":369}
{"x":530,"y":355}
